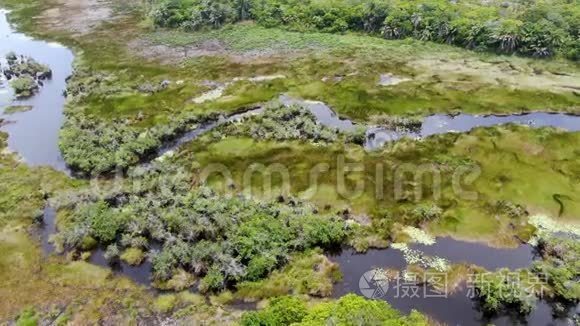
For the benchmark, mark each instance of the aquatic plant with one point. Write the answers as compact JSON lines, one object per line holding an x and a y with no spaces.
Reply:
{"x":560,"y":266}
{"x":93,"y":147}
{"x":545,"y":224}
{"x":419,"y":236}
{"x":497,"y":292}
{"x":417,"y":257}
{"x":309,"y":273}
{"x":17,"y":108}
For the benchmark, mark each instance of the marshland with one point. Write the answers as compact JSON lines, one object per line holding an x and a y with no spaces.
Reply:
{"x":284,"y":162}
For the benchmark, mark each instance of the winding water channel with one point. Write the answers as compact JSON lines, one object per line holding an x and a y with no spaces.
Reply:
{"x":34,"y":136}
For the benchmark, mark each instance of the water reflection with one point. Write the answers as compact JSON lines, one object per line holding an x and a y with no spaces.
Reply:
{"x":34,"y":134}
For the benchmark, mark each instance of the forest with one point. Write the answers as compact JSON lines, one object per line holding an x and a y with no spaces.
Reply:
{"x":529,"y":28}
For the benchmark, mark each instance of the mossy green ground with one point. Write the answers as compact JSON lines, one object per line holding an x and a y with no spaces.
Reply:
{"x":517,"y":164}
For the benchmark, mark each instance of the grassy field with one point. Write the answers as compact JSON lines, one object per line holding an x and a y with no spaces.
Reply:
{"x":493,"y":164}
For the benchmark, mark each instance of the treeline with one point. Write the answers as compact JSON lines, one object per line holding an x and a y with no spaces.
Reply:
{"x":530,"y":28}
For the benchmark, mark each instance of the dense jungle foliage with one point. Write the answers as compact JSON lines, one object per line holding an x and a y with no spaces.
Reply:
{"x":529,"y":28}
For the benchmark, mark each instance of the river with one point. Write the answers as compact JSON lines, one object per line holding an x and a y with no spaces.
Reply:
{"x":34,"y":134}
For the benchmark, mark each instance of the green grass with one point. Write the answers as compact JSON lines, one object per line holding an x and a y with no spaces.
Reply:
{"x":518,"y":164}
{"x":133,"y":256}
{"x":23,"y":189}
{"x":309,"y":273}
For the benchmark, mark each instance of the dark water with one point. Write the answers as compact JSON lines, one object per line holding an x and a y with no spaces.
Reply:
{"x":190,"y":136}
{"x":323,"y":113}
{"x":48,"y":228}
{"x":435,"y":124}
{"x":457,"y":308}
{"x":34,"y":134}
{"x":476,"y":253}
{"x":441,"y":124}
{"x":140,"y":274}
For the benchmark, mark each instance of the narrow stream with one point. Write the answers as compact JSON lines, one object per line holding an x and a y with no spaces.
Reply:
{"x":34,"y":134}
{"x":193,"y":134}
{"x":435,"y":124}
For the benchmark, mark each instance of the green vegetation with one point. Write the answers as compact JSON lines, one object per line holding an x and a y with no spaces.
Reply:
{"x":20,"y":66}
{"x":348,"y":310}
{"x":225,"y":240}
{"x":280,"y":123}
{"x":24,"y":86}
{"x":27,"y":318}
{"x":17,"y":108}
{"x":534,"y":29}
{"x":554,"y":276}
{"x":24,"y":73}
{"x":440,"y":78}
{"x":486,"y":186}
{"x":310,"y":273}
{"x":125,"y":100}
{"x":561,"y":265}
{"x":133,"y":256}
{"x":499,"y":291}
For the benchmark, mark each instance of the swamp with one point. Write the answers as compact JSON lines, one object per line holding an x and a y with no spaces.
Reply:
{"x":289,"y":162}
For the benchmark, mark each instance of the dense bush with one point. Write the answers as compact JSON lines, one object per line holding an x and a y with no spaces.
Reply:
{"x":348,"y":310}
{"x":223,"y":239}
{"x":539,"y":29}
{"x":23,"y":86}
{"x":279,"y":122}
{"x":561,"y":266}
{"x":497,"y":293}
{"x":94,"y":147}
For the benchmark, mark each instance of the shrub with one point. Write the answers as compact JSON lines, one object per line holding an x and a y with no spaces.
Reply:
{"x":280,"y":311}
{"x":348,"y":310}
{"x":133,"y":256}
{"x":497,"y":292}
{"x":213,"y":281}
{"x":279,"y":122}
{"x":225,"y":240}
{"x":112,"y":252}
{"x":27,"y":317}
{"x":24,"y":86}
